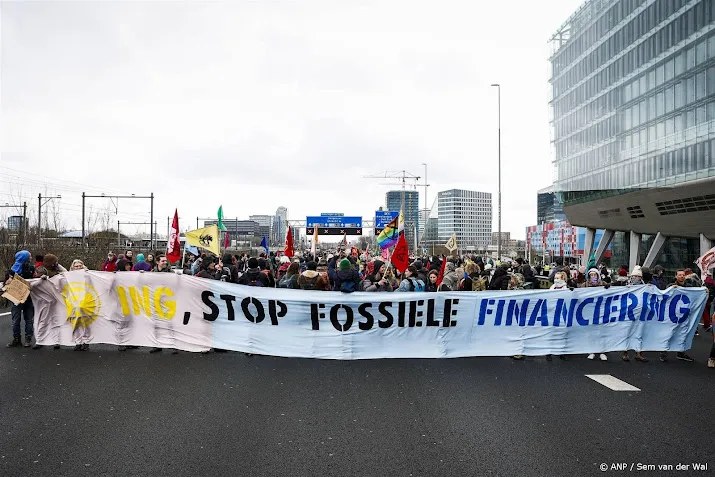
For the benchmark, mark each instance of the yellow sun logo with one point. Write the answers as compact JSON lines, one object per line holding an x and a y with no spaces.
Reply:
{"x":82,"y":302}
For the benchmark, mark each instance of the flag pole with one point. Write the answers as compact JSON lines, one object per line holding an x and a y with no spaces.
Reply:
{"x":183,"y":256}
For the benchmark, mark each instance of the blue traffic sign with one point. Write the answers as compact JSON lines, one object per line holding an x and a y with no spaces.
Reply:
{"x":384,"y":217}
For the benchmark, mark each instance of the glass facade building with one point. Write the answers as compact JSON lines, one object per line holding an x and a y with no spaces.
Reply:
{"x":466,"y":213}
{"x":633,"y":96}
{"x":393,"y":201}
{"x":548,"y":206}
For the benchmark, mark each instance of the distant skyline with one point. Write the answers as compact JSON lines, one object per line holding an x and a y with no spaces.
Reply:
{"x":259,"y":105}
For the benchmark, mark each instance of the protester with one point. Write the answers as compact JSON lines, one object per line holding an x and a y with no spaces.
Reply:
{"x":207,"y":269}
{"x":50,"y":267}
{"x":431,"y":285}
{"x":680,"y":281}
{"x":110,"y":264}
{"x":558,"y":268}
{"x":450,"y":280}
{"x":283,"y":269}
{"x":500,"y":280}
{"x":162,"y":264}
{"x":123,"y":265}
{"x":636,"y":277}
{"x":150,"y":261}
{"x":346,"y":279}
{"x":594,"y":280}
{"x":254,"y":276}
{"x":77,"y":264}
{"x":129,"y":257}
{"x":290,"y":276}
{"x":422,"y":272}
{"x":311,"y":279}
{"x":659,"y":279}
{"x":265,"y":265}
{"x":707,"y":313}
{"x":411,"y":281}
{"x":692,"y":279}
{"x":38,"y":261}
{"x":376,"y":281}
{"x":22,"y":268}
{"x":559,"y":281}
{"x":226,"y":271}
{"x":141,"y":265}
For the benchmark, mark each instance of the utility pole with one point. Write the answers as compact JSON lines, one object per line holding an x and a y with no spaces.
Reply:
{"x":40,"y":204}
{"x":499,"y":167}
{"x":133,"y":196}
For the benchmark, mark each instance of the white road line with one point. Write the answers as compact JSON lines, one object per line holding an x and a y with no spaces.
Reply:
{"x":611,"y":382}
{"x":5,"y":314}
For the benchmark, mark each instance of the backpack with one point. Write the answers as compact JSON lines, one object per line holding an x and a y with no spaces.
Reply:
{"x":225,"y":274}
{"x":286,"y":282}
{"x":256,"y":282}
{"x":415,"y":285}
{"x":311,"y":284}
{"x":347,"y":286}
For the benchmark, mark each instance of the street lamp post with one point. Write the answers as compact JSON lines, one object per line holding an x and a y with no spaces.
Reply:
{"x":499,"y":172}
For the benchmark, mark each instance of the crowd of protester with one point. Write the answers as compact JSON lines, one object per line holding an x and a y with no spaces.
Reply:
{"x":345,"y":272}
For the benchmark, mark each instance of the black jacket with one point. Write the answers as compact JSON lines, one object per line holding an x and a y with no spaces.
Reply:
{"x":254,"y":274}
{"x":229,"y":273}
{"x":500,"y":280}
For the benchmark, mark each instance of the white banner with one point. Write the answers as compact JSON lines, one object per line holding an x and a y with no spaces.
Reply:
{"x":193,"y":314}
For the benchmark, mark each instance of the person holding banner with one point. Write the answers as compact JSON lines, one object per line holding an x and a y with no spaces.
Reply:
{"x":594,"y":280}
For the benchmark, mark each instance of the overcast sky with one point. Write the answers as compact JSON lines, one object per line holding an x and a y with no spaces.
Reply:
{"x":255,"y":105}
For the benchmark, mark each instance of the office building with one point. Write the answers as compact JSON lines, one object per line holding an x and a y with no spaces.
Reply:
{"x":633,"y":126}
{"x":394,"y":201}
{"x":265,"y":224}
{"x":466,"y":213}
{"x":280,"y":225}
{"x":548,"y":206}
{"x":558,"y":239}
{"x":237,"y":228}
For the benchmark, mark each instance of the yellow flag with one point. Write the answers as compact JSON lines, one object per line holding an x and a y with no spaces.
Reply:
{"x":205,"y":238}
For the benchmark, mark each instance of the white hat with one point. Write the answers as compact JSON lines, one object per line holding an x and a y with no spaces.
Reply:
{"x":285,"y":259}
{"x":637,"y":272}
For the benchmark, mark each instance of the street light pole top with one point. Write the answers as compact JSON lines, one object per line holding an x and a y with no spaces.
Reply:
{"x":496,"y":84}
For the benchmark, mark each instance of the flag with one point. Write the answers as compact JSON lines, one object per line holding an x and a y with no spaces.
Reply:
{"x":707,"y":261}
{"x":440,"y":277}
{"x":221,"y":226}
{"x":354,"y":252}
{"x":314,"y":247}
{"x":264,"y":244}
{"x":226,"y":240}
{"x":173,"y":246}
{"x":401,"y":226}
{"x":389,"y":235}
{"x":451,"y":244}
{"x":192,"y":250}
{"x":591,"y":262}
{"x":342,"y":245}
{"x":385,"y":254}
{"x":289,"y":250}
{"x":205,"y":238}
{"x":401,"y":255}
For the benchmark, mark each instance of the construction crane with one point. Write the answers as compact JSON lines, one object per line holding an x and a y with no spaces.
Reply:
{"x":403,"y":176}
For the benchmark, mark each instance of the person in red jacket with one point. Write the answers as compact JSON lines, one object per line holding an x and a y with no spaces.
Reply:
{"x":110,"y":265}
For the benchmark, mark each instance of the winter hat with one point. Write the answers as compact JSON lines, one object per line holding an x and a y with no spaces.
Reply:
{"x":345,"y":264}
{"x":377,"y":265}
{"x":622,"y":272}
{"x":140,"y":257}
{"x":637,"y":271}
{"x":21,"y":258}
{"x":582,"y":269}
{"x":594,"y":270}
{"x":50,"y":261}
{"x":488,"y":267}
{"x":253,"y":262}
{"x":284,"y":259}
{"x":312,"y":266}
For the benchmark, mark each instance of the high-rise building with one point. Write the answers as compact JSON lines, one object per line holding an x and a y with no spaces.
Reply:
{"x":279,"y":225}
{"x":265,"y":224}
{"x":466,"y":213}
{"x":237,"y":228}
{"x":633,"y":125}
{"x":393,"y":201}
{"x":548,"y":206}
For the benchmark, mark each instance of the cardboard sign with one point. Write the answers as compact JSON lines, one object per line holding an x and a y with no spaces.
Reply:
{"x":16,"y":289}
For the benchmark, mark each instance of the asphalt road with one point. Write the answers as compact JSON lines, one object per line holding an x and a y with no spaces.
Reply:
{"x":104,"y":412}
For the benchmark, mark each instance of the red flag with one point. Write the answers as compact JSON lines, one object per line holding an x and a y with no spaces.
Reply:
{"x":289,"y":251}
{"x":401,"y":255}
{"x":226,"y":240}
{"x":441,"y":271}
{"x":173,"y":247}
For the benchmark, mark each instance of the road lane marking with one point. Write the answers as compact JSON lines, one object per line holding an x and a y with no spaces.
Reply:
{"x":611,"y":382}
{"x":6,"y":313}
